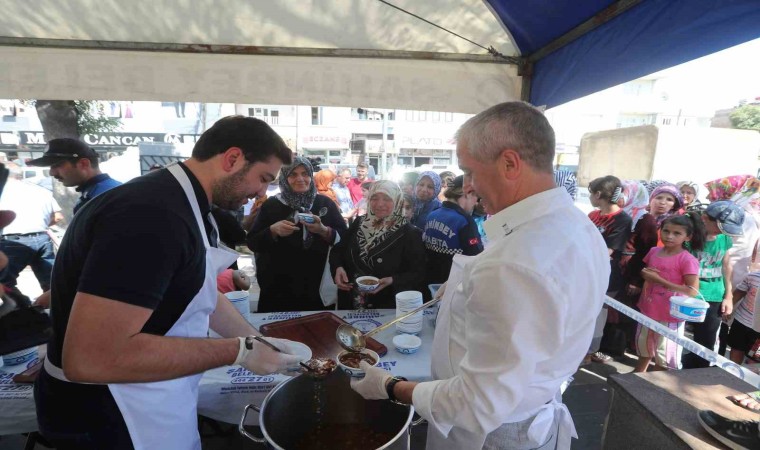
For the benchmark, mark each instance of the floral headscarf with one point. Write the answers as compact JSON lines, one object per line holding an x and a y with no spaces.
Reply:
{"x":748,"y":196}
{"x":324,"y":180}
{"x":671,"y":189}
{"x":724,"y":188}
{"x":299,"y":202}
{"x":373,"y":230}
{"x":634,"y":200}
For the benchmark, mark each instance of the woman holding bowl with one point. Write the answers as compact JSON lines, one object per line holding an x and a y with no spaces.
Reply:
{"x":291,"y":238}
{"x":382,"y":244}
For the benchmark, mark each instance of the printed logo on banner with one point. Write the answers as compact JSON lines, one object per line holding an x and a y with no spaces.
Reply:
{"x":12,"y":391}
{"x":365,"y":325}
{"x":368,"y":314}
{"x":240,"y":375}
{"x":387,"y":365}
{"x":283,"y":316}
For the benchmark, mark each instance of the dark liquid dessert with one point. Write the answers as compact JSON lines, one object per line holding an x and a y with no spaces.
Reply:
{"x":350,"y":436}
{"x":320,"y":367}
{"x":353,"y":359}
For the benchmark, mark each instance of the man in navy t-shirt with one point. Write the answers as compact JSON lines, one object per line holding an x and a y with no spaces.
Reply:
{"x":134,"y":294}
{"x":74,"y":163}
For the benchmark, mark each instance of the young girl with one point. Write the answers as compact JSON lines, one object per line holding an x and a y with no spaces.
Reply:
{"x":670,"y":270}
{"x":361,"y":206}
{"x":714,"y":276}
{"x":615,"y":226}
{"x":612,"y":222}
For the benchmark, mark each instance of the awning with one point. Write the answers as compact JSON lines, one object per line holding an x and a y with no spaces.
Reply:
{"x":354,"y":52}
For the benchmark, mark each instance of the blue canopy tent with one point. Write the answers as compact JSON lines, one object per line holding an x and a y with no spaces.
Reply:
{"x":575,"y":48}
{"x":444,"y":55}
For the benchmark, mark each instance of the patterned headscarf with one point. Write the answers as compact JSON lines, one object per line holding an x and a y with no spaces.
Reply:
{"x":634,"y":200}
{"x":671,"y":189}
{"x":654,"y":184}
{"x":299,"y":202}
{"x":373,"y":230}
{"x":567,"y":180}
{"x":724,"y":188}
{"x":419,"y":204}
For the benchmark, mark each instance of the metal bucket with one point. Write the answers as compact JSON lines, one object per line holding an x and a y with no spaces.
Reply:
{"x":288,"y":412}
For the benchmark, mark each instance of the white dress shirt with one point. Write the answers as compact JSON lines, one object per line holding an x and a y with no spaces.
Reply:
{"x":519,"y":323}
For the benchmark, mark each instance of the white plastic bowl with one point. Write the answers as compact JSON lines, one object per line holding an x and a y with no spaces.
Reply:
{"x":407,"y":343}
{"x":367,"y":287}
{"x":356,"y":372}
{"x":688,"y":308}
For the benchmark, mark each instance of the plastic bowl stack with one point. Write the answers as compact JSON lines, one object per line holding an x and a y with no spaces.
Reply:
{"x":406,"y":302}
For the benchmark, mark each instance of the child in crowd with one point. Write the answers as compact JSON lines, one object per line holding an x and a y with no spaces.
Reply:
{"x":408,"y":180}
{"x":361,"y":205}
{"x":408,"y":206}
{"x":742,"y":338}
{"x":446,"y":178}
{"x":232,"y":280}
{"x":720,"y":219}
{"x":689,"y":191}
{"x":670,"y":270}
{"x":615,"y":226}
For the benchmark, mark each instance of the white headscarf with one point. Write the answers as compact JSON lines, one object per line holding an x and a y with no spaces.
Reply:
{"x":374,"y":230}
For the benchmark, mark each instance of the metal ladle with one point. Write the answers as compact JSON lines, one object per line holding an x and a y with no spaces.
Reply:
{"x":354,"y":340}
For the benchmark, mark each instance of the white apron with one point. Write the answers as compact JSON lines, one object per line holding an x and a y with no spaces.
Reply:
{"x":442,"y":367}
{"x":163,"y":414}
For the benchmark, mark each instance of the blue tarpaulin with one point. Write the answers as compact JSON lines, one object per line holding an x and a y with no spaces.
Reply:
{"x":648,"y":37}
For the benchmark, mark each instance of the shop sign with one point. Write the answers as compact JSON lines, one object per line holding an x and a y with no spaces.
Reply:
{"x":100,"y":139}
{"x":427,"y":142}
{"x":325,"y":141}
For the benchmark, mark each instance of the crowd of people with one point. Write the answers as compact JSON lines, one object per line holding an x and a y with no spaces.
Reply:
{"x":354,"y":227}
{"x":518,"y":318}
{"x":663,"y":241}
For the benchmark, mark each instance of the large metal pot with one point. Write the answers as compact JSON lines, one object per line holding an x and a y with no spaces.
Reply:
{"x":289,"y":412}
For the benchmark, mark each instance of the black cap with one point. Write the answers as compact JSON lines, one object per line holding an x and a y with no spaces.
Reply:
{"x":457,"y":182}
{"x":63,"y":149}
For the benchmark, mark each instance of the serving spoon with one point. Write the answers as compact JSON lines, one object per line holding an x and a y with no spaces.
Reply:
{"x":353,"y":340}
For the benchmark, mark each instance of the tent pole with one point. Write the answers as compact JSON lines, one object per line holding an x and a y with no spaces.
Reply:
{"x":615,"y":9}
{"x":81,"y":44}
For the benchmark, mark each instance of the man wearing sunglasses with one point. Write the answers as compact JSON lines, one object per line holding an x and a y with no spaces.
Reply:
{"x":75,"y":164}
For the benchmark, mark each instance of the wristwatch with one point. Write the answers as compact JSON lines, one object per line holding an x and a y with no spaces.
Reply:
{"x":246,"y":345}
{"x":389,"y":388}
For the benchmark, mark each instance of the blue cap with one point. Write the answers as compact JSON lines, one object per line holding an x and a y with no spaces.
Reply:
{"x":729,"y":216}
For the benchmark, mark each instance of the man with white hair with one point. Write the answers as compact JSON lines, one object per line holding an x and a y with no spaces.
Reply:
{"x":343,"y":193}
{"x":516,"y":320}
